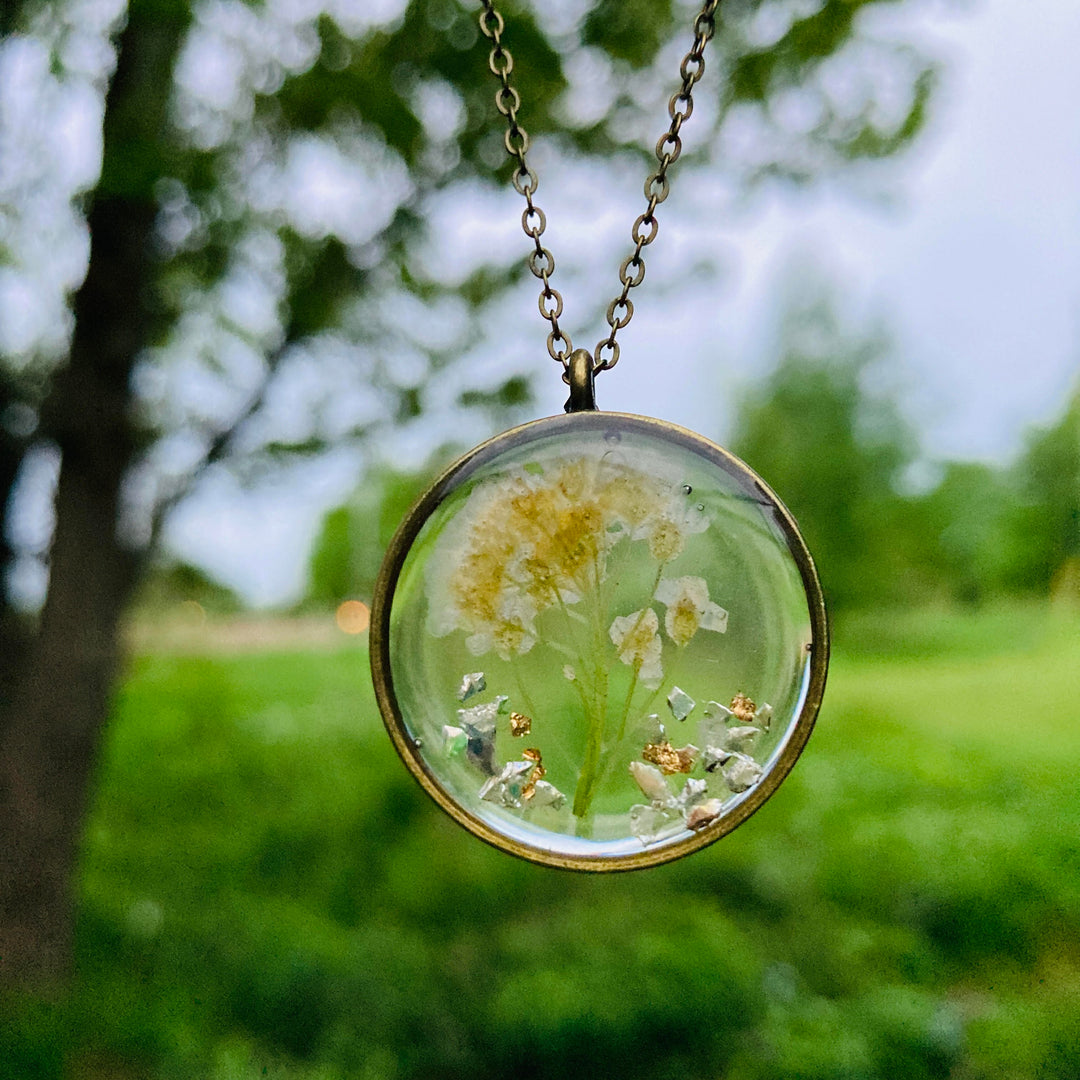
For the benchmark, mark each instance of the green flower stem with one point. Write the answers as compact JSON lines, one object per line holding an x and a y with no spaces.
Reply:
{"x":668,"y":678}
{"x":524,"y":693}
{"x":590,"y":768}
{"x":597,"y":715}
{"x":637,"y":663}
{"x":629,"y":698}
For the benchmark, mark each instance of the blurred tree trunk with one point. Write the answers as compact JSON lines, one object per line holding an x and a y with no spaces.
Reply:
{"x":52,"y":714}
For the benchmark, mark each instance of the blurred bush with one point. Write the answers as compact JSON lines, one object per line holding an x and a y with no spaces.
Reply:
{"x":839,"y":452}
{"x":266,"y":892}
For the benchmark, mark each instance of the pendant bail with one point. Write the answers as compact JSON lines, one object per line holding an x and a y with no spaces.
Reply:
{"x":579,"y":374}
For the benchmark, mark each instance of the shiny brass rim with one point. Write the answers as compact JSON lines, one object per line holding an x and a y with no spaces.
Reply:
{"x":382,"y":675}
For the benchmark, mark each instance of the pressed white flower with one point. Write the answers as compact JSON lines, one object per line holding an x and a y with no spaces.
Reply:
{"x":689,"y":608}
{"x":637,"y":638}
{"x":671,"y":523}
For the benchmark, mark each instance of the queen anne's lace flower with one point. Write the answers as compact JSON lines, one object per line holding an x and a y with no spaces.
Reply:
{"x":533,"y":540}
{"x":637,"y":639}
{"x":689,"y":608}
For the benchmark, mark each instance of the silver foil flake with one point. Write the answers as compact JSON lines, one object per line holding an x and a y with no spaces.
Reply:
{"x":483,"y":716}
{"x":680,"y":703}
{"x":656,"y":726}
{"x":478,"y":723}
{"x":713,"y":709}
{"x":740,"y":739}
{"x":471,"y":684}
{"x":704,"y":814}
{"x":545,"y":794}
{"x":455,"y":740}
{"x":763,"y":715}
{"x":741,"y":772}
{"x":652,"y":783}
{"x":647,"y":729}
{"x":693,"y":792}
{"x":712,"y":731}
{"x":506,"y":788}
{"x":648,"y":822}
{"x":713,"y":758}
{"x":480,"y":751}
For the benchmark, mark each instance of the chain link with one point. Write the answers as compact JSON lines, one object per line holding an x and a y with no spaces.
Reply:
{"x":533,"y":220}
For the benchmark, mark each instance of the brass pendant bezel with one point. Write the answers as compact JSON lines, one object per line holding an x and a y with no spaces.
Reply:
{"x":393,"y":563}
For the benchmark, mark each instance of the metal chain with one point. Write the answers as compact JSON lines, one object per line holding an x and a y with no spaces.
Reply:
{"x":533,"y":220}
{"x":541,"y":262}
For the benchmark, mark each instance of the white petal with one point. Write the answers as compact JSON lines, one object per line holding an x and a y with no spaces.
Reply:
{"x":714,"y":618}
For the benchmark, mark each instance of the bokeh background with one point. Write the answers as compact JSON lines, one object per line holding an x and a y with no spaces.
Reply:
{"x":262,"y":272}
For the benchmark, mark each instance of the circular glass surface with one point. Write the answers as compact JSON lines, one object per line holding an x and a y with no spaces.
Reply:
{"x":599,"y":641}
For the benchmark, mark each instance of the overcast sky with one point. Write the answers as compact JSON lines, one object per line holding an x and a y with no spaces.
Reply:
{"x":966,"y":250}
{"x":972,"y":261}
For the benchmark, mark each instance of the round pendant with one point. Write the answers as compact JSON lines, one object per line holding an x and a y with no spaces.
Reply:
{"x":598,"y":641}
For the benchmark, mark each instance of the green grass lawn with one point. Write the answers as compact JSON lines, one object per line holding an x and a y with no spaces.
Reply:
{"x":267,"y":893}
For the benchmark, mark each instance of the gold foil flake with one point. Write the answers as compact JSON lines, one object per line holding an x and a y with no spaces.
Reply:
{"x":538,"y":773}
{"x":473,"y":683}
{"x":704,"y":814}
{"x":669,"y":759}
{"x":743,"y":708}
{"x":520,"y":724}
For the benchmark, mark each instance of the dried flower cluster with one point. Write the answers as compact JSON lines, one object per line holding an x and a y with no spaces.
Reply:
{"x":536,"y":540}
{"x":540,"y":540}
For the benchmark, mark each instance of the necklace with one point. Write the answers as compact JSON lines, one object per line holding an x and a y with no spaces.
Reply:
{"x":647,"y":618}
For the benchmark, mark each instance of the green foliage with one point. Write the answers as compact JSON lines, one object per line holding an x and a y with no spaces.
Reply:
{"x":833,"y":453}
{"x":324,"y":281}
{"x":630,"y":30}
{"x":171,"y":583}
{"x":266,"y":892}
{"x":512,"y":394}
{"x":348,"y":551}
{"x":837,"y":453}
{"x":1046,"y":522}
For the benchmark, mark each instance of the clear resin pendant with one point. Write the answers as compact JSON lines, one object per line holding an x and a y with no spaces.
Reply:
{"x":599,"y":642}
